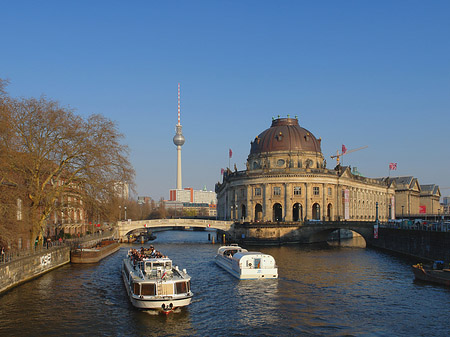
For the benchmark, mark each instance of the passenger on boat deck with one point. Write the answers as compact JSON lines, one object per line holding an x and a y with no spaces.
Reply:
{"x":152,"y":251}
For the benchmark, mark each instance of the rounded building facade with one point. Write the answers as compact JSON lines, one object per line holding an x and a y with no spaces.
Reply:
{"x":286,"y":180}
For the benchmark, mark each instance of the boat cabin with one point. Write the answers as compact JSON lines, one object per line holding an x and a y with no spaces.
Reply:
{"x":252,"y":260}
{"x":155,"y":268}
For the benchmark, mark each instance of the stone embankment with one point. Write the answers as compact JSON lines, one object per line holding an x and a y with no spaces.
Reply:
{"x":26,"y":268}
{"x":16,"y":269}
{"x":419,"y":244}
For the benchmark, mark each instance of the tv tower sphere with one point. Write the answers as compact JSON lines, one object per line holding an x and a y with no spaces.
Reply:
{"x":178,"y":139}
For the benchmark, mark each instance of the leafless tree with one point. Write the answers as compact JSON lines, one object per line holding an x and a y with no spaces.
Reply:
{"x":56,"y":152}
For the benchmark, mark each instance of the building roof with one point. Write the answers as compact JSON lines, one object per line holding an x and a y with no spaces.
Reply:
{"x":285,"y":134}
{"x":406,"y":183}
{"x":430,"y":189}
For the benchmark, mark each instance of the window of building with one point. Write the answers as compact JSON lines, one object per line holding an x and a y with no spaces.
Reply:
{"x":277,"y":191}
{"x":297,"y":190}
{"x":315,"y":190}
{"x":257,"y":191}
{"x":242,"y":192}
{"x":329,"y":191}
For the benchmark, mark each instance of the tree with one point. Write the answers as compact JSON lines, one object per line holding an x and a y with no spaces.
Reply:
{"x":58,"y":153}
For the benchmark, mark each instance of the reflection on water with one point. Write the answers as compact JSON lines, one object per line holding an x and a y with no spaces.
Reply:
{"x":322,"y":290}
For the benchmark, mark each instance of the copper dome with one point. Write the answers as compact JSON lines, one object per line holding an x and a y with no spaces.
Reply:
{"x":285,"y":134}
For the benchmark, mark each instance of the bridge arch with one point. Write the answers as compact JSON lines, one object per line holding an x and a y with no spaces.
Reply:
{"x":320,"y":232}
{"x":325,"y":234}
{"x":125,"y":227}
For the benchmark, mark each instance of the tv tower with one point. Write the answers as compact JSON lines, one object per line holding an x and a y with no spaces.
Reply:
{"x":178,"y":140}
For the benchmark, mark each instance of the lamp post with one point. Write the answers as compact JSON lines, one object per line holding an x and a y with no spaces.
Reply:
{"x":402,"y":211}
{"x":376,"y":211}
{"x":125,"y":208}
{"x":120,"y":212}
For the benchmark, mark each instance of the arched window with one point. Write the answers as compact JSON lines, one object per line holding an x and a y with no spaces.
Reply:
{"x":258,"y":212}
{"x":329,"y":212}
{"x":243,"y":212}
{"x":316,"y":211}
{"x":277,"y":212}
{"x":297,"y":212}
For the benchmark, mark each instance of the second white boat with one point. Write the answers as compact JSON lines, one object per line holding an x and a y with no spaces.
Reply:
{"x":246,"y":265}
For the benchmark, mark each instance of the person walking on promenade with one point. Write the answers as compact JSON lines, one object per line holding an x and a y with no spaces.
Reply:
{"x":3,"y":254}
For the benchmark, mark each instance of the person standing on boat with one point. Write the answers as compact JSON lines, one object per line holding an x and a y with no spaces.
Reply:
{"x":152,"y":251}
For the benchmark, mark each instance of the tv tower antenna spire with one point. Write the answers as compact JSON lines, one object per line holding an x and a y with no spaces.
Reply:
{"x":178,"y":140}
{"x":178,"y":104}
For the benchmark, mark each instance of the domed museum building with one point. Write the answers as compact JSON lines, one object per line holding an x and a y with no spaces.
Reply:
{"x":286,"y":180}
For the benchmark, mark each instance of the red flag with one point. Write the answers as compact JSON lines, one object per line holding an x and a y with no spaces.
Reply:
{"x":344,"y":149}
{"x":231,"y":153}
{"x":392,"y":166}
{"x":222,"y":171}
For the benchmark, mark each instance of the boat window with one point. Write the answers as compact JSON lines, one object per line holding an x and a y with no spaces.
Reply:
{"x":181,"y":287}
{"x":168,"y":265}
{"x":257,"y":263}
{"x":148,"y":289}
{"x":158,"y":264}
{"x":136,"y":289}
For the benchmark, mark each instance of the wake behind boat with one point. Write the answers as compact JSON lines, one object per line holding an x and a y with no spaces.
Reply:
{"x":246,"y":265}
{"x":153,"y":283}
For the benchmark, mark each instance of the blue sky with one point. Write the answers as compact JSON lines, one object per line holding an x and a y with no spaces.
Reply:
{"x":355,"y":72}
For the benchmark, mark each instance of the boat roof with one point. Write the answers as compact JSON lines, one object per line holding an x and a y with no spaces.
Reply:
{"x":156,"y":259}
{"x":242,"y":254}
{"x":231,"y":247}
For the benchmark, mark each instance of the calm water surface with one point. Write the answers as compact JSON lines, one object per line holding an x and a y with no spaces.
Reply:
{"x":321,"y":291}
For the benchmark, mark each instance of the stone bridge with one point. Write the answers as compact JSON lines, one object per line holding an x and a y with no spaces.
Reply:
{"x":304,"y":232}
{"x":259,"y":232}
{"x":125,"y":227}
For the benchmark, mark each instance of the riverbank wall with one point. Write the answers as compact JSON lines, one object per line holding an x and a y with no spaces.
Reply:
{"x":421,"y":244}
{"x":26,"y":268}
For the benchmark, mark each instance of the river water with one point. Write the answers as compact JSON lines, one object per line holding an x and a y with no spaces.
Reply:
{"x":321,"y":291}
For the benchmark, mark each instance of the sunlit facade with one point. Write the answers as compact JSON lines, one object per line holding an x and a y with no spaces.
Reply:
{"x":287,"y":180}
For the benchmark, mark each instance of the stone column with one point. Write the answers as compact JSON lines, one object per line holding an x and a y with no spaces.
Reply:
{"x":324,"y":207}
{"x":264,"y":202}
{"x":249,"y":205}
{"x":306,"y":213}
{"x":288,"y":202}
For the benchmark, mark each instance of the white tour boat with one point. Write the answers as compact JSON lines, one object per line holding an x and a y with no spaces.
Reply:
{"x":246,"y":265}
{"x":153,"y":283}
